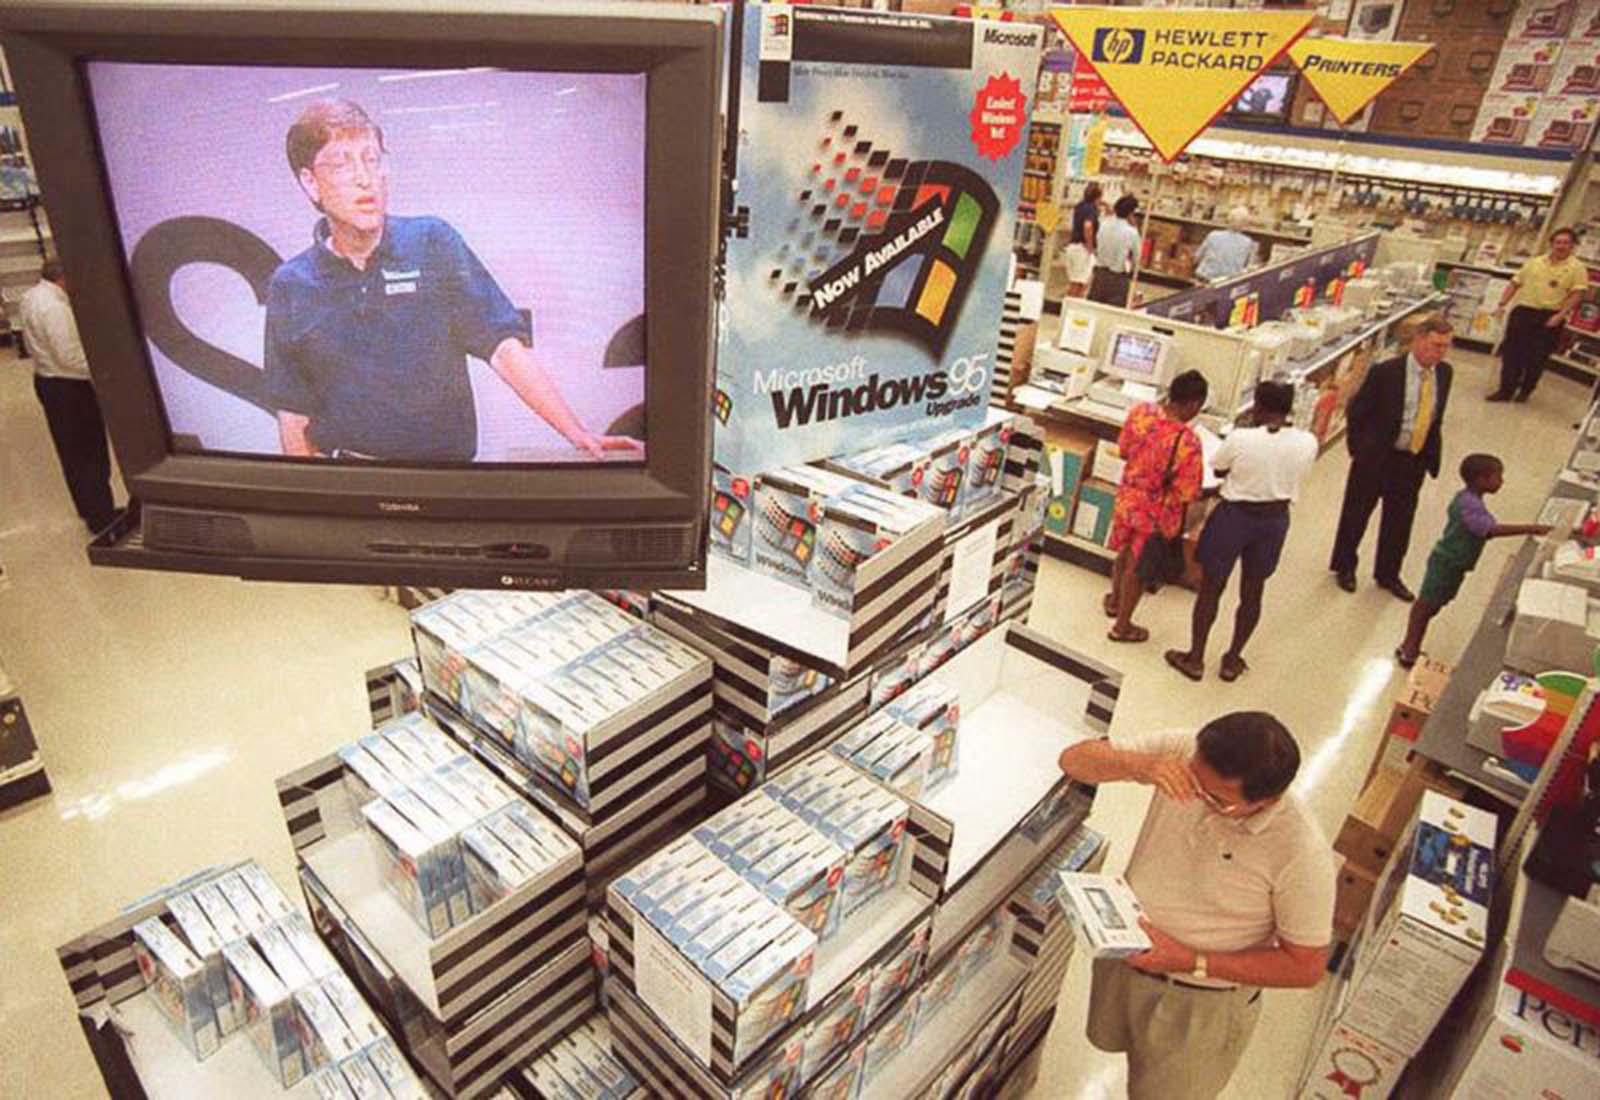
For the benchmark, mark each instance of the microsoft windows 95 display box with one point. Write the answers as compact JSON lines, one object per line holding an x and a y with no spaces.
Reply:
{"x":879,"y":162}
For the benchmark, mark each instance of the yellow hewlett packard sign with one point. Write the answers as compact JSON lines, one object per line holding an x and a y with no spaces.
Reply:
{"x":1348,"y":73}
{"x":1174,"y":71}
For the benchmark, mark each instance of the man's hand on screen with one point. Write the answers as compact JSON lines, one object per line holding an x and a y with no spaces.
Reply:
{"x":598,"y":445}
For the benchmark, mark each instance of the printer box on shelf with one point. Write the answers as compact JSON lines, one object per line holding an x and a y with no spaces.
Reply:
{"x":1556,"y":628}
{"x":1531,"y":1050}
{"x":1428,"y":926}
{"x":1350,"y":1063}
{"x":1105,"y":913}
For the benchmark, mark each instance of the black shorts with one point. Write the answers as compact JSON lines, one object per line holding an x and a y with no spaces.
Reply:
{"x":1247,"y":531}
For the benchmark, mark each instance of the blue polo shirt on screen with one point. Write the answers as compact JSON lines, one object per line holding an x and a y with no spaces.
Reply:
{"x":377,"y":359}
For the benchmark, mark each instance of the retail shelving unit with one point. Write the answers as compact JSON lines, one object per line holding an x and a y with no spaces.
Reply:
{"x":24,"y":230}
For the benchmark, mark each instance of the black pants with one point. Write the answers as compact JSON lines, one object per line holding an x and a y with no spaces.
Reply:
{"x":1109,"y":287}
{"x":79,"y":434}
{"x":1394,"y":478}
{"x":1525,"y":348}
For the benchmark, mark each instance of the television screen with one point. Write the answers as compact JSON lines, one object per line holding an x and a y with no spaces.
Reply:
{"x":1268,"y":97}
{"x":407,"y":266}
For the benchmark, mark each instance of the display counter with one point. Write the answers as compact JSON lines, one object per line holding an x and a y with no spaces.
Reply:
{"x":1443,"y":737}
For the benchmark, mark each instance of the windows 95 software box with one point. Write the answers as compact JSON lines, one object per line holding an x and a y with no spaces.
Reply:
{"x":880,"y":159}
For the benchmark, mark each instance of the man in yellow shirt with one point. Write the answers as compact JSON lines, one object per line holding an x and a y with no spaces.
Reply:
{"x":1542,"y":296}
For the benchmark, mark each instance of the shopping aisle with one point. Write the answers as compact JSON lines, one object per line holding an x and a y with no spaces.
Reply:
{"x":1320,"y":660}
{"x":166,"y":705}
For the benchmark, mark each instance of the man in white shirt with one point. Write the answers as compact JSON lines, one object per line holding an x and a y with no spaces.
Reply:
{"x":1263,"y":467}
{"x":1115,"y":252}
{"x":61,"y":381}
{"x":1237,"y":883}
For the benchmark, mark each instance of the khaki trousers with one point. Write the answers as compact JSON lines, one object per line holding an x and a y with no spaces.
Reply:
{"x":1182,"y":1043}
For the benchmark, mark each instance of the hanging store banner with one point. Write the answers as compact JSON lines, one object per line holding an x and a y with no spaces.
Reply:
{"x":1175,"y":71}
{"x":1349,"y":73}
{"x":880,"y":162}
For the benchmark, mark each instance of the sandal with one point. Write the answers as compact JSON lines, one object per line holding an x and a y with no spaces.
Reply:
{"x":1185,"y":664}
{"x":1402,"y":660}
{"x":1132,"y":634}
{"x":1110,"y":605}
{"x":1232,"y":668}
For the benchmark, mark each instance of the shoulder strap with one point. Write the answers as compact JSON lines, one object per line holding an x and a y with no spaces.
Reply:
{"x":1172,"y":456}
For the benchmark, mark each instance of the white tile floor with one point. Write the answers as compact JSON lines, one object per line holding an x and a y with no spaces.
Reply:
{"x":167,"y":705}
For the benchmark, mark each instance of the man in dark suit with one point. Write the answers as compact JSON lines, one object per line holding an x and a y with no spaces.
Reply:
{"x":1394,"y":441}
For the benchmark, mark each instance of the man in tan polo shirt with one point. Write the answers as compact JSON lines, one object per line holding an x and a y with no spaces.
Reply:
{"x":1237,"y":882}
{"x":1542,"y":295}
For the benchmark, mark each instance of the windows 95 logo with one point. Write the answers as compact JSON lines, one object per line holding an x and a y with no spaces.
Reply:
{"x":883,"y":243}
{"x":1118,"y":45}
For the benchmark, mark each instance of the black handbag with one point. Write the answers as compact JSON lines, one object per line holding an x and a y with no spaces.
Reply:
{"x":1161,"y":560}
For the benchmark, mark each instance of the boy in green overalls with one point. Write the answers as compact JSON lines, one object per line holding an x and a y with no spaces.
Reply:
{"x":1468,"y":525}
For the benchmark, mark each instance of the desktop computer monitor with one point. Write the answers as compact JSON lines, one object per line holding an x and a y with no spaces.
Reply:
{"x":1135,"y":356}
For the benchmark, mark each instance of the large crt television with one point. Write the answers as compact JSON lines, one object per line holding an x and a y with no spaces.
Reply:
{"x":390,"y":291}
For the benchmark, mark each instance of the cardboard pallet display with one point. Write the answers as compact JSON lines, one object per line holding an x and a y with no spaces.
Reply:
{"x":468,"y":1004}
{"x":968,"y":857}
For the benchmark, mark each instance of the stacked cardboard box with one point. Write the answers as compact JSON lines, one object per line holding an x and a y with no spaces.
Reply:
{"x":1421,"y":940}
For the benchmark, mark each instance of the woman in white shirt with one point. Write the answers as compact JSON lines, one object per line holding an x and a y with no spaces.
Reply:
{"x":1263,"y":467}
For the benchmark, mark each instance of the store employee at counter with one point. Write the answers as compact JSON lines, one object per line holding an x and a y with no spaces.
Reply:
{"x":1238,"y":882}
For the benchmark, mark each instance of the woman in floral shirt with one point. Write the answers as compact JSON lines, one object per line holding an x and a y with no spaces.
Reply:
{"x":1163,"y":471}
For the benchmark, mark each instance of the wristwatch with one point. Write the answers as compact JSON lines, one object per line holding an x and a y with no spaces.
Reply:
{"x":1199,"y":970}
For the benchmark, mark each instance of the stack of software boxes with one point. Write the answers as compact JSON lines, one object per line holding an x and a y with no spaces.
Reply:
{"x":961,"y":471}
{"x":738,"y":910}
{"x":770,"y":707}
{"x":229,"y":954}
{"x":602,"y":718}
{"x":835,"y":537}
{"x":879,"y":1023}
{"x":451,"y":839}
{"x":456,"y":902}
{"x":578,"y":1066}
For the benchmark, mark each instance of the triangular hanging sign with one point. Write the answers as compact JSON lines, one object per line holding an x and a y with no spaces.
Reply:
{"x":1349,"y":73}
{"x":1175,"y":70}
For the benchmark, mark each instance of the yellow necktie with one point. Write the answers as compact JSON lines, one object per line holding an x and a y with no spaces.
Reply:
{"x":1419,"y":430}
